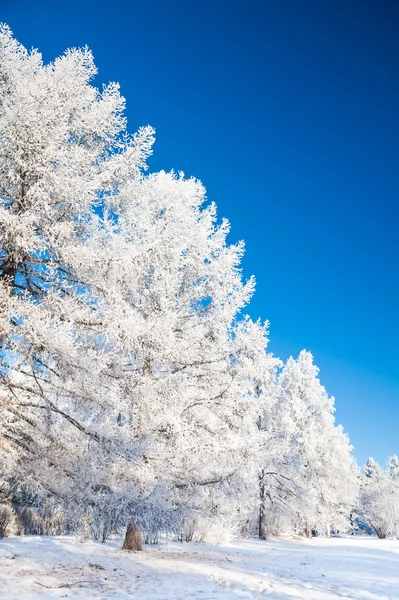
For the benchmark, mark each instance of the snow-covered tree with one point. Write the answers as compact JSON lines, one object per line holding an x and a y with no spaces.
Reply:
{"x":376,"y":500}
{"x":309,"y":471}
{"x":127,"y":372}
{"x":393,"y":471}
{"x":63,"y":155}
{"x":393,"y":467}
{"x":379,"y":504}
{"x":188,"y":365}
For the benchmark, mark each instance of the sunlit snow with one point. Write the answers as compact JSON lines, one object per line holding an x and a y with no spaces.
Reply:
{"x":46,"y":568}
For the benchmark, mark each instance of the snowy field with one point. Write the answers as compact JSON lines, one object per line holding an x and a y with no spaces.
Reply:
{"x":319,"y":569}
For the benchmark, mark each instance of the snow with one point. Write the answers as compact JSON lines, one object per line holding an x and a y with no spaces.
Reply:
{"x":46,"y":568}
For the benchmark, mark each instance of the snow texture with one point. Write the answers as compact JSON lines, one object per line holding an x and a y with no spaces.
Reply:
{"x":45,"y":568}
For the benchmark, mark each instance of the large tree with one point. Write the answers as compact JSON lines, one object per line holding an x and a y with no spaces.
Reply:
{"x":63,"y":154}
{"x":189,"y":361}
{"x":127,"y":370}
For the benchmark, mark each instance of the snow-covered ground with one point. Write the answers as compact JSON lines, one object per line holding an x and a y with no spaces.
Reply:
{"x":45,"y":568}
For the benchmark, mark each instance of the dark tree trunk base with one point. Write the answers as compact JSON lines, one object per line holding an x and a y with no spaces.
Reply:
{"x":308,"y":531}
{"x":132,"y":539}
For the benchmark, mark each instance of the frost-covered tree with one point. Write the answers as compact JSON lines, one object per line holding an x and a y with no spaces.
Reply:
{"x":63,"y":155}
{"x":310,"y":477}
{"x":379,"y":500}
{"x":393,"y":467}
{"x":189,"y":360}
{"x":393,"y":471}
{"x":127,"y":373}
{"x":376,"y":498}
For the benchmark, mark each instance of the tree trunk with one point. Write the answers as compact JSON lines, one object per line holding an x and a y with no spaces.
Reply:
{"x":104,"y":535}
{"x":380,"y":533}
{"x":308,"y":530}
{"x":262,"y":524}
{"x":132,"y":539}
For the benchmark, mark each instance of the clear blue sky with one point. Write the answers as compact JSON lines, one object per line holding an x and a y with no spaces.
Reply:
{"x":288,"y":111}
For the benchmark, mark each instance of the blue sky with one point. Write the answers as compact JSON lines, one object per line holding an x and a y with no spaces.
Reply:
{"x":288,"y":112}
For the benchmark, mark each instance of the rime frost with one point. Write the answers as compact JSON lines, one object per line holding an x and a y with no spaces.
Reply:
{"x":133,"y":387}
